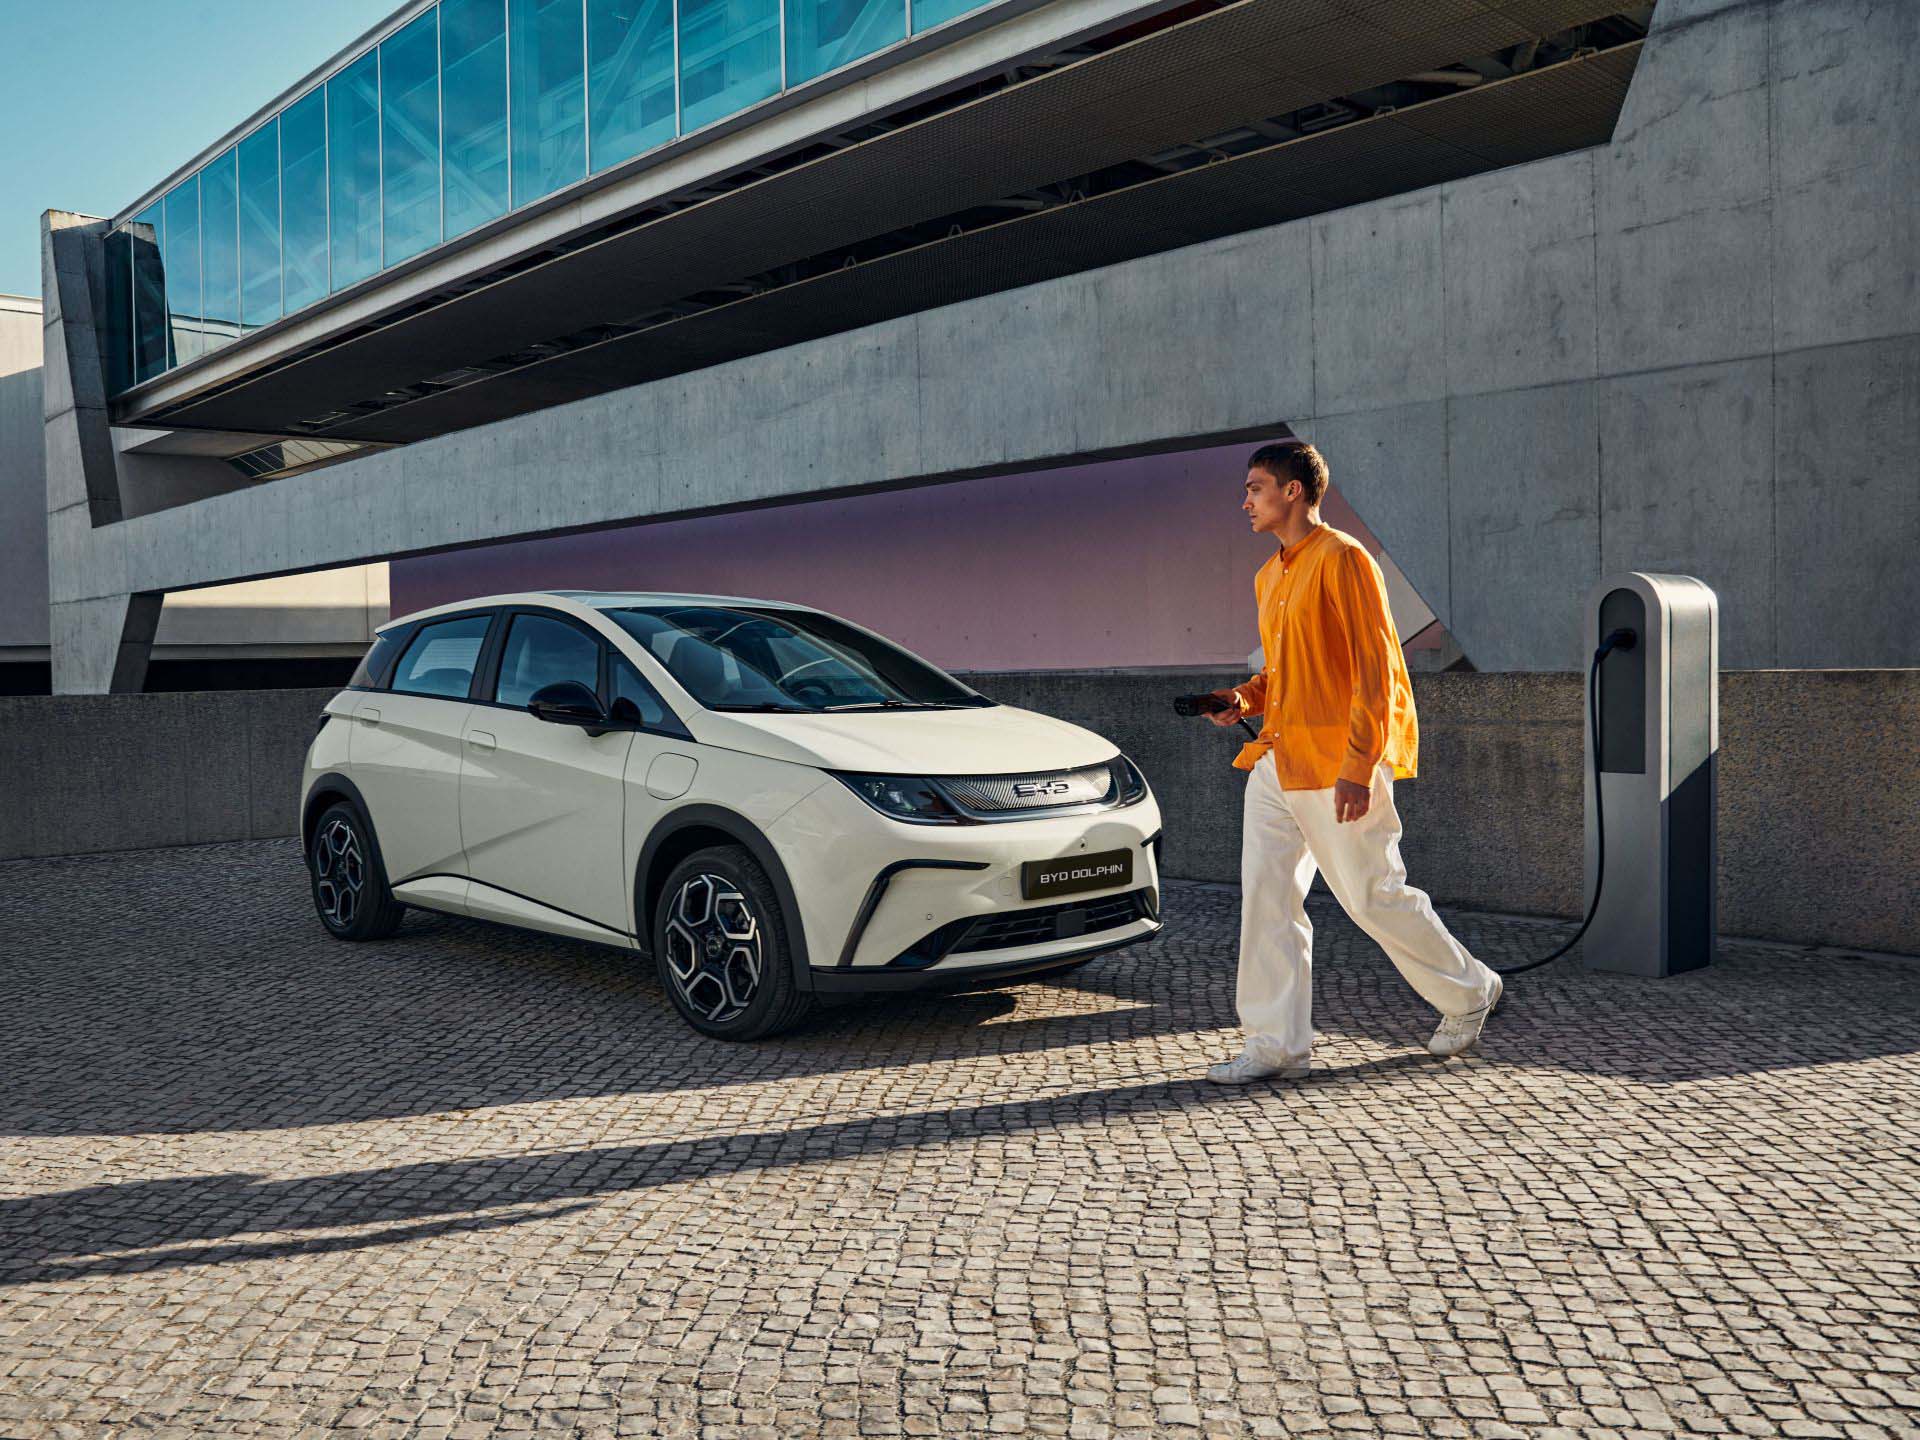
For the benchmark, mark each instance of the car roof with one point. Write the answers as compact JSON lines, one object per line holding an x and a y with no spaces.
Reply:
{"x":617,"y":599}
{"x":589,"y":599}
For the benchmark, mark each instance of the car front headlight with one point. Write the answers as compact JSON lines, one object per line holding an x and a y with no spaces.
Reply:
{"x":903,"y":797}
{"x":1129,"y":785}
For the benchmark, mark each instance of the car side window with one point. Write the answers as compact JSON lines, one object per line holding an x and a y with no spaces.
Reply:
{"x":368,"y":674}
{"x":440,"y":658}
{"x":540,"y":651}
{"x":634,"y":700}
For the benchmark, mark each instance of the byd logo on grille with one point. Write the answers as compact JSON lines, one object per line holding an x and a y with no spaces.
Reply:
{"x":1054,"y":877}
{"x":1031,"y":789}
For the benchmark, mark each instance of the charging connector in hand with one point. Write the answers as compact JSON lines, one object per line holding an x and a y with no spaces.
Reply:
{"x":1209,"y":704}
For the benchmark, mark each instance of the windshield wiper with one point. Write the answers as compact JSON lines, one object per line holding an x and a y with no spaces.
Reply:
{"x":764,"y":708}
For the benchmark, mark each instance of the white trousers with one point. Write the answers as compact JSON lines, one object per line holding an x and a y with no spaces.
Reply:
{"x":1288,"y":836}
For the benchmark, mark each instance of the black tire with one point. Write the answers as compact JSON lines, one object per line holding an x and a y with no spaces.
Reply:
{"x":350,"y":891}
{"x":720,"y":947}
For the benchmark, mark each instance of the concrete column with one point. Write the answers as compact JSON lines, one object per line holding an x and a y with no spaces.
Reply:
{"x":100,"y":642}
{"x":101,"y":646}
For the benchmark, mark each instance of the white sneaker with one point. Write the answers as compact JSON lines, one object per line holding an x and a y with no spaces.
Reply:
{"x":1247,"y":1066}
{"x":1460,"y":1033}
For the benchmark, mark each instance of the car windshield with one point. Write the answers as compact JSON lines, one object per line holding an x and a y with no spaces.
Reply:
{"x":742,"y":657}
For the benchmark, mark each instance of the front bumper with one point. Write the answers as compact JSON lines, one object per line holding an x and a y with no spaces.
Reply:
{"x":889,"y":905}
{"x":870,"y":980}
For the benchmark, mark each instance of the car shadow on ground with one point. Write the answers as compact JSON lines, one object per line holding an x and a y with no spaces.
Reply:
{"x":192,"y":991}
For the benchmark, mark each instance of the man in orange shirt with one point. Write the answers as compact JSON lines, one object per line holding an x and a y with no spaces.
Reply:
{"x":1337,"y":730}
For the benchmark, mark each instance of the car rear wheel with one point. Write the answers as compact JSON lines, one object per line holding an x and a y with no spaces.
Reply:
{"x":350,"y":891}
{"x":720,"y":947}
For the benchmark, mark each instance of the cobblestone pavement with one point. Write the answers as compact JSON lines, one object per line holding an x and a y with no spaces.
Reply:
{"x":469,"y":1182}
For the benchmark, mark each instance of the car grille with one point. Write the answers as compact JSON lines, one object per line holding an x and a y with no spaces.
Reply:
{"x":1044,"y":790}
{"x":1040,"y":926}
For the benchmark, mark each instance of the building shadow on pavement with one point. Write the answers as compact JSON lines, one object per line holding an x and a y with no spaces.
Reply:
{"x":147,"y":1225}
{"x":191,"y":991}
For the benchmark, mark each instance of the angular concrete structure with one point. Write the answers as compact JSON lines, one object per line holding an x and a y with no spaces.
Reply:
{"x":1694,"y":347}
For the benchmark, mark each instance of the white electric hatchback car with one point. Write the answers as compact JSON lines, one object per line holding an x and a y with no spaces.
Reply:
{"x":772,"y":802}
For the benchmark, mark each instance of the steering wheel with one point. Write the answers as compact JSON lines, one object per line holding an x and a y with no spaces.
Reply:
{"x":799,"y":688}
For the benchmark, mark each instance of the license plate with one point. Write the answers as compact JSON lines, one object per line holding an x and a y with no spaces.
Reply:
{"x":1069,"y":875}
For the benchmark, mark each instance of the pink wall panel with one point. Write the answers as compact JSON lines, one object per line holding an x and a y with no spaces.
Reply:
{"x":1144,"y":562}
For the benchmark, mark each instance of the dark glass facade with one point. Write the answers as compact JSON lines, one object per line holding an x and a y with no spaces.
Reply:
{"x":471,"y":109}
{"x":410,"y":140}
{"x":180,"y":259}
{"x":220,"y":249}
{"x":303,"y":201}
{"x":259,"y":156}
{"x":353,"y":172}
{"x":630,"y":83}
{"x":546,"y":65}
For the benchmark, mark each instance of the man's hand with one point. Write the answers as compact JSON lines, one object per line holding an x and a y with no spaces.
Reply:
{"x":1350,"y":800}
{"x":1230,"y":715}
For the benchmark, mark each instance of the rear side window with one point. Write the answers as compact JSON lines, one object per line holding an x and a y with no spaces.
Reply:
{"x":441,"y":657}
{"x":371,"y":672}
{"x":542,"y":651}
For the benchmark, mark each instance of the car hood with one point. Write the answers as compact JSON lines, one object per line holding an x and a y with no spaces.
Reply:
{"x":1002,"y":740}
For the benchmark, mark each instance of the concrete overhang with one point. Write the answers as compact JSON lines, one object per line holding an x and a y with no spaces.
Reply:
{"x":631,"y":284}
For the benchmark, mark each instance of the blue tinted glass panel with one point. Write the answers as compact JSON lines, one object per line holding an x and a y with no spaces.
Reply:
{"x":119,"y":316}
{"x":729,"y":57}
{"x":630,"y":70}
{"x":549,"y":73}
{"x":303,"y":199}
{"x":220,"y":249}
{"x":353,"y":169}
{"x":410,"y":138}
{"x":473,"y":97}
{"x":823,"y":35}
{"x":180,"y":255}
{"x":928,"y":13}
{"x":260,"y":227}
{"x":151,"y":353}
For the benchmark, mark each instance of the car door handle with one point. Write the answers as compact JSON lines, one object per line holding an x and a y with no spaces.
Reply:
{"x":368,"y":717}
{"x":480,"y":740}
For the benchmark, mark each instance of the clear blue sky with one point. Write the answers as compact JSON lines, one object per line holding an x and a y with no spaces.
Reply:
{"x":101,"y":98}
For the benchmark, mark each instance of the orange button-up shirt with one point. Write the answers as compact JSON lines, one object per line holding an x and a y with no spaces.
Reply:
{"x":1334,"y":696}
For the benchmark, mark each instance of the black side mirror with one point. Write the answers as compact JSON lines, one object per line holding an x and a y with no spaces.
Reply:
{"x":568,"y":702}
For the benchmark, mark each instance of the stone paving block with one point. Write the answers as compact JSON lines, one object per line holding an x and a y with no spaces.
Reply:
{"x":472,"y":1182}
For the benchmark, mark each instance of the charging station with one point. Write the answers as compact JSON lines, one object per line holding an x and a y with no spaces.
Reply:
{"x":1652,"y":753}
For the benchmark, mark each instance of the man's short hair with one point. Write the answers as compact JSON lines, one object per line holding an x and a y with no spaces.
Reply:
{"x":1293,"y":460}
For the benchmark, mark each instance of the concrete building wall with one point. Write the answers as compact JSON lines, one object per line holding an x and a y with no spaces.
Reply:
{"x":329,"y":611}
{"x":1493,"y":822}
{"x":1696,"y":348}
{"x":23,"y":484}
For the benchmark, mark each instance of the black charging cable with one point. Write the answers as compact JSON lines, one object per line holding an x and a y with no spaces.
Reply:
{"x":1621,"y":639}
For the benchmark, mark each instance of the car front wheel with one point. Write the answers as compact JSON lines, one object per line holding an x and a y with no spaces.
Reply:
{"x":720,"y":947}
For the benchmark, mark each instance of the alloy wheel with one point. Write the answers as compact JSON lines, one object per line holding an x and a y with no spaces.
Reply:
{"x":339,"y":873}
{"x":714,"y":946}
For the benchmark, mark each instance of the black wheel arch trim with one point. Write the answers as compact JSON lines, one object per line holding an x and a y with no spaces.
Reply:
{"x":310,"y":810}
{"x":737,"y":827}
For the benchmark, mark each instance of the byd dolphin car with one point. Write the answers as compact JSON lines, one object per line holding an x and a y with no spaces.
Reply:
{"x":772,"y":802}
